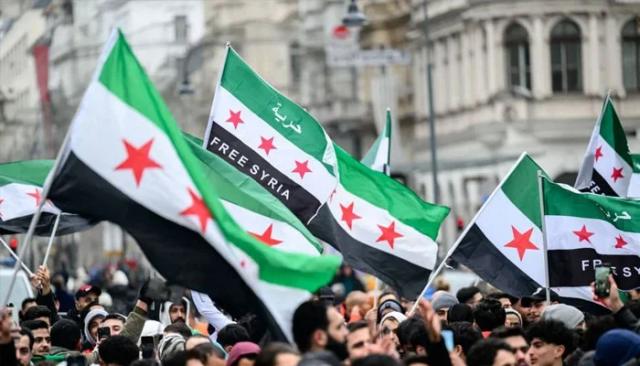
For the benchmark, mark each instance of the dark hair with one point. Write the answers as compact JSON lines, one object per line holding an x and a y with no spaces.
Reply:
{"x":27,"y":332}
{"x":209,"y":349}
{"x":407,"y":328}
{"x":375,"y":360}
{"x":118,"y":350}
{"x":85,"y":311}
{"x":143,"y":362}
{"x":36,"y":312}
{"x":466,"y":293}
{"x":201,"y":354}
{"x":232,"y":334}
{"x":270,"y":353}
{"x":308,"y":317}
{"x":180,"y":328}
{"x":489,"y":314}
{"x":26,"y":301}
{"x":45,"y":363}
{"x":65,"y":333}
{"x":465,"y":335}
{"x":419,"y":337}
{"x":414,"y":358}
{"x":115,"y":316}
{"x":505,"y":332}
{"x":360,"y":324}
{"x":34,"y":325}
{"x":596,"y":327}
{"x":554,"y":332}
{"x":484,"y":352}
{"x":460,"y":313}
{"x":634,"y":306}
{"x":178,"y":358}
{"x":388,"y":292}
{"x":498,"y":296}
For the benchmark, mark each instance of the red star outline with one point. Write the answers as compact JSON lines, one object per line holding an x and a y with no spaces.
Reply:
{"x":198,"y":208}
{"x":584,"y":234}
{"x":348,"y":215}
{"x":302,"y":168}
{"x":267,"y":145}
{"x":599,"y":153}
{"x":235,"y":118}
{"x":521,"y":242}
{"x":138,"y":160}
{"x":617,"y":174}
{"x":389,"y":234}
{"x":267,"y":237}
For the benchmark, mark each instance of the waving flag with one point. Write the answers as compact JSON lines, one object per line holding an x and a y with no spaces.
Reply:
{"x":127,"y":162}
{"x":607,"y":166}
{"x":271,"y":139}
{"x":634,"y":184}
{"x":379,"y":155}
{"x":20,"y":194}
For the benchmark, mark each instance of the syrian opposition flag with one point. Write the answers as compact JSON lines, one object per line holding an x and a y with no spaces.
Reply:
{"x":503,"y":243}
{"x":380,"y":226}
{"x":255,"y":209}
{"x":20,"y":195}
{"x":379,"y":156}
{"x":585,"y":230}
{"x":607,"y":165}
{"x":634,"y":184}
{"x":126,"y":161}
{"x":271,"y":139}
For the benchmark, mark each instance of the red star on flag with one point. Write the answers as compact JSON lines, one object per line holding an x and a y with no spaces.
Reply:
{"x":138,"y":160}
{"x":348,"y":216}
{"x":599,"y":153}
{"x":199,"y":209}
{"x":389,"y":234}
{"x":583,"y":234}
{"x":620,"y":243}
{"x":243,"y":263}
{"x":331,"y":197}
{"x":37,"y":195}
{"x":1,"y":200}
{"x":521,"y":241}
{"x":267,"y":145}
{"x":302,"y":168}
{"x":267,"y":237}
{"x":234,"y":117}
{"x":617,"y":173}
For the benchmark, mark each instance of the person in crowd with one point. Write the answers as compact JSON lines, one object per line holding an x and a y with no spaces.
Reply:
{"x":616,"y":347}
{"x":24,"y":346}
{"x":38,"y":312}
{"x":118,"y":351}
{"x":460,"y":313}
{"x":347,"y":277}
{"x":178,"y":328}
{"x":358,"y":340}
{"x":277,"y":354}
{"x":92,"y":322}
{"x":443,"y":303}
{"x":65,"y":338}
{"x":569,"y":315}
{"x":405,"y":332}
{"x":551,"y":341}
{"x":390,"y":324}
{"x":195,"y":323}
{"x":65,"y":299}
{"x":243,"y":354}
{"x":84,"y":296}
{"x":387,"y":306}
{"x":515,"y":337}
{"x":27,"y":303}
{"x":388,"y":295}
{"x":172,"y":313}
{"x":178,"y":358}
{"x":196,"y":339}
{"x":206,"y":354}
{"x":465,"y":335}
{"x":514,"y":319}
{"x":317,"y":326}
{"x":115,"y":323}
{"x":489,"y":314}
{"x":524,"y":311}
{"x":170,"y":345}
{"x":596,"y":327}
{"x":356,"y":306}
{"x":376,"y":360}
{"x":41,"y":336}
{"x":232,"y":334}
{"x":505,"y":299}
{"x":469,"y":295}
{"x":415,"y":360}
{"x":491,"y":352}
{"x":319,"y":358}
{"x":440,"y":284}
{"x":538,"y":302}
{"x":427,"y":339}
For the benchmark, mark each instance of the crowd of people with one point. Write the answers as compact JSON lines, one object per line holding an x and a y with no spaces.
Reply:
{"x":467,"y":328}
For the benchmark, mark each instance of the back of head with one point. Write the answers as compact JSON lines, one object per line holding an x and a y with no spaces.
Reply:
{"x":444,"y":300}
{"x":320,"y":358}
{"x":567,"y":314}
{"x":34,"y":325}
{"x":269,"y":354}
{"x":118,"y":350}
{"x":308,"y":317}
{"x":460,"y":313}
{"x":465,"y":335}
{"x":484,"y":351}
{"x":406,"y":329}
{"x":376,"y":360}
{"x":553,"y":332}
{"x":36,"y":312}
{"x":508,"y":332}
{"x":178,"y":328}
{"x":616,"y":347}
{"x":489,"y":314}
{"x":467,"y":293}
{"x":170,"y":344}
{"x":634,"y":306}
{"x":596,"y":327}
{"x":232,"y":334}
{"x":178,"y":358}
{"x":65,"y":333}
{"x":356,"y":298}
{"x":210,"y":350}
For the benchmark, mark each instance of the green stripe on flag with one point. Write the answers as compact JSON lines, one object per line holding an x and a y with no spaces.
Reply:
{"x":26,"y":172}
{"x":636,"y":162}
{"x":521,"y":187}
{"x":123,"y":76}
{"x":612,"y":132}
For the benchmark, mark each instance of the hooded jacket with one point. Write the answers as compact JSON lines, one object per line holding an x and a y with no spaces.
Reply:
{"x":87,"y":321}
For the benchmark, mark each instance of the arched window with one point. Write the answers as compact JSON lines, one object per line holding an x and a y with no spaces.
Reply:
{"x":631,"y":55}
{"x":516,"y":44}
{"x":566,"y":58}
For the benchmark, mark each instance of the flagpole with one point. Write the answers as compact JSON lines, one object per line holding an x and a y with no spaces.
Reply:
{"x":53,"y":235}
{"x":435,"y":273}
{"x":24,"y":266}
{"x":544,"y":236}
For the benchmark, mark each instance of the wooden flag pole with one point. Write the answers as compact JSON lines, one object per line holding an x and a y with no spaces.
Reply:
{"x":544,"y":236}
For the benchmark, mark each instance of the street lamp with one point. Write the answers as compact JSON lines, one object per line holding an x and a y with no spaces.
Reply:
{"x":354,"y":17}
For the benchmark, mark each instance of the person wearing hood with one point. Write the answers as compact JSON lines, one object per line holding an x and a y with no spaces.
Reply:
{"x":171,"y":313}
{"x":390,"y":324}
{"x":91,"y":324}
{"x":617,"y":347}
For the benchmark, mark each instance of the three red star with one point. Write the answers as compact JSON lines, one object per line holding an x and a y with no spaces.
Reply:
{"x":617,"y":173}
{"x":234,"y":117}
{"x":199,"y":209}
{"x":583,"y":234}
{"x":620,"y":243}
{"x":267,"y":145}
{"x":348,"y":215}
{"x":267,"y":237}
{"x":389,"y":234}
{"x":302,"y":168}
{"x":599,"y":153}
{"x":521,"y":241}
{"x":138,"y":160}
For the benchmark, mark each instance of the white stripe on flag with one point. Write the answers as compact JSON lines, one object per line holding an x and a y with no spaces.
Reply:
{"x":20,"y":200}
{"x":607,"y":162}
{"x":565,"y":232}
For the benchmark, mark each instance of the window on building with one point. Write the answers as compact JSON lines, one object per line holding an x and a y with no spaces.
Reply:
{"x":516,"y":43}
{"x":180,"y":24}
{"x":296,"y":70}
{"x":566,"y":58}
{"x":631,"y":55}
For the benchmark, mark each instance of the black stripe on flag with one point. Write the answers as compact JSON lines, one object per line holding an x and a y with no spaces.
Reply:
{"x":68,"y":224}
{"x":599,"y":186}
{"x":576,"y":267}
{"x":405,"y":277}
{"x":235,"y":152}
{"x":181,"y":255}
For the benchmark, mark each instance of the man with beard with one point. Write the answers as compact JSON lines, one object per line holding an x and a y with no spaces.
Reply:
{"x":515,"y":337}
{"x":317,"y":326}
{"x":172,"y":313}
{"x":41,"y":337}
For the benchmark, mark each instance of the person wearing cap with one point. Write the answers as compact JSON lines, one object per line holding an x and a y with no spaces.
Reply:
{"x":442,"y":304}
{"x":514,"y":319}
{"x":243,"y":354}
{"x":524,"y":309}
{"x":388,"y":306}
{"x":538,"y":302}
{"x":569,"y":315}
